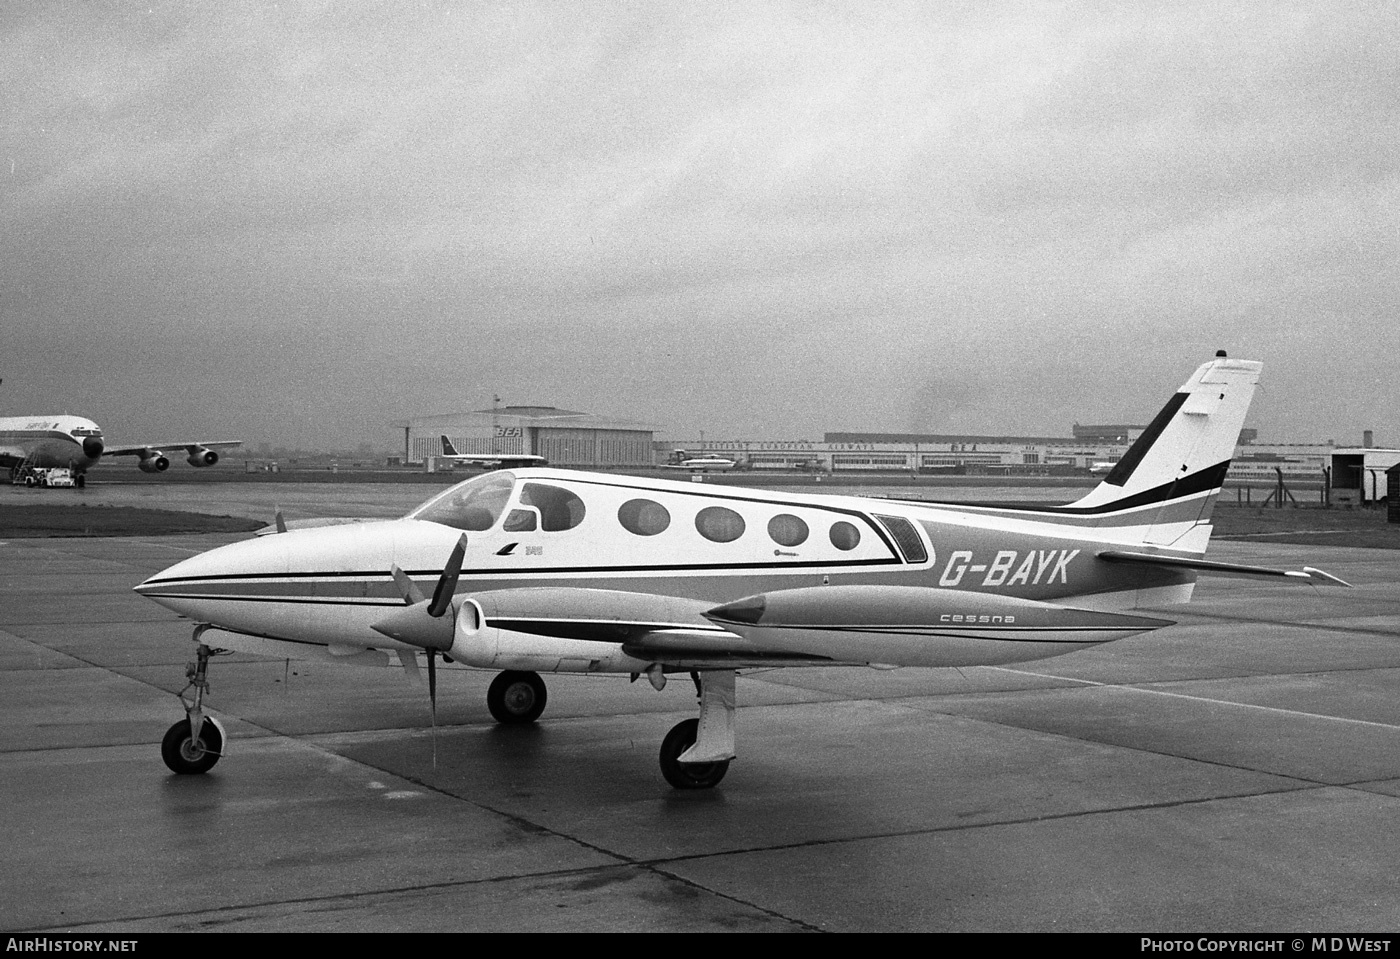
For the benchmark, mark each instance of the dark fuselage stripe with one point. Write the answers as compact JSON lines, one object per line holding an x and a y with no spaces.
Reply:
{"x":377,"y":576}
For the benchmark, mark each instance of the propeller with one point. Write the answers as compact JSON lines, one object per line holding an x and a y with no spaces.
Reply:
{"x":425,"y":623}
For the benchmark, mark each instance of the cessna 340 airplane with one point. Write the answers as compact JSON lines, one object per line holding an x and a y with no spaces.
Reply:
{"x":544,"y":570}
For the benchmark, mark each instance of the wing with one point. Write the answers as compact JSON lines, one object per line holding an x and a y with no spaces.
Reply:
{"x":666,"y":629}
{"x":146,"y":449}
{"x":1308,"y":573}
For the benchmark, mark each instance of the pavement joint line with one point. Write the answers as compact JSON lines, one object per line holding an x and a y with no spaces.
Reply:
{"x":1305,"y":786}
{"x":178,"y":549}
{"x":1203,"y":618}
{"x":349,"y":897}
{"x":656,"y":865}
{"x":1204,"y":699}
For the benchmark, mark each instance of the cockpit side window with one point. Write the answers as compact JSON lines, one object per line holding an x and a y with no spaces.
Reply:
{"x":521,"y":521}
{"x":474,"y":505}
{"x":560,"y":509}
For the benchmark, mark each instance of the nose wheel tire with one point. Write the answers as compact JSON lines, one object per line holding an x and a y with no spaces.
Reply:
{"x":516,"y":698}
{"x":188,"y":756}
{"x":688,"y":775}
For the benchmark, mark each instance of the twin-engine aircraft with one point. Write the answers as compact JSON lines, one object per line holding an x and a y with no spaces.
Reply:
{"x":75,"y":443}
{"x":545,"y":570}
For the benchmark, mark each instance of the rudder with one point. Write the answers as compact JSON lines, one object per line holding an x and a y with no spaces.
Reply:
{"x":1179,"y":462}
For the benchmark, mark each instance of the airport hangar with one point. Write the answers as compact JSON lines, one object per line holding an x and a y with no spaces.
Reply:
{"x":562,"y":437}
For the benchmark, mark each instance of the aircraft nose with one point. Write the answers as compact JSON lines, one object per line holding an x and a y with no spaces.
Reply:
{"x":93,"y":447}
{"x":191,"y":585}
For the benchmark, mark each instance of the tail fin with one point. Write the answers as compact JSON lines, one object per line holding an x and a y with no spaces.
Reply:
{"x":1178,"y":464}
{"x":447,"y":448}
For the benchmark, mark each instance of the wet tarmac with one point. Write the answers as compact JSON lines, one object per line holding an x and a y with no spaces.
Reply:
{"x":1238,"y":772}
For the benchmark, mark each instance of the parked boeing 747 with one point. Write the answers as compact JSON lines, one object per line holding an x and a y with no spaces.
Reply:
{"x":29,"y":444}
{"x":539,"y":570}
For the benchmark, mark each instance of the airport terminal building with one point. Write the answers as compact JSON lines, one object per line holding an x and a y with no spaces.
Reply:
{"x":1090,"y":449}
{"x":562,"y":437}
{"x":569,"y":438}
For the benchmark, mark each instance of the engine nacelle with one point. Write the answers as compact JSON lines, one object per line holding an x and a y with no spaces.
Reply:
{"x":155,"y":463}
{"x":200,"y":456}
{"x":477,"y":643}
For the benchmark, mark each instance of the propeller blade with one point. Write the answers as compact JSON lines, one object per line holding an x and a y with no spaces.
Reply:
{"x":447,"y":585}
{"x":407,"y":587}
{"x":280,"y":521}
{"x":432,"y":699}
{"x":409,"y":661}
{"x":432,"y":683}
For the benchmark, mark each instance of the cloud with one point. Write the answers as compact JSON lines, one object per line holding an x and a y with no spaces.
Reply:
{"x":846,"y":216}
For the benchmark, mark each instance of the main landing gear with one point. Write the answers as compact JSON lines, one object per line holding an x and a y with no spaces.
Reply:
{"x":516,"y":697}
{"x":195,"y":743}
{"x":696,"y":753}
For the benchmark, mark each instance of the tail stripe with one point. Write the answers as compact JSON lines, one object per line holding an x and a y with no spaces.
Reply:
{"x":1123,"y":469}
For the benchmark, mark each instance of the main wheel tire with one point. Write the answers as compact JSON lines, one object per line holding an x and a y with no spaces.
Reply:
{"x":688,"y":775}
{"x":516,"y":698}
{"x":186,"y":756}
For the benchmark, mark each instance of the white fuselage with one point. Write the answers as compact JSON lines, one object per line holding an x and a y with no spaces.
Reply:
{"x":554,"y":541}
{"x":704,"y":464}
{"x":50,"y":442}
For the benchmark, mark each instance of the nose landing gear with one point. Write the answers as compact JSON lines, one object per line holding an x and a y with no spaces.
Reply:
{"x":195,"y":743}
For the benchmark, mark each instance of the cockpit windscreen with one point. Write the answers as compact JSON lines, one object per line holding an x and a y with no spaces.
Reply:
{"x":474,"y":505}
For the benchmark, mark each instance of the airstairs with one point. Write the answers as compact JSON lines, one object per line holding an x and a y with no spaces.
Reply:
{"x":23,"y":471}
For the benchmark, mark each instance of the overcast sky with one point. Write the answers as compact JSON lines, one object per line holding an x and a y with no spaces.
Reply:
{"x":295,"y":223}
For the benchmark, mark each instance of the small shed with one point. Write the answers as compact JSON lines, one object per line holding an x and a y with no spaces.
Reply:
{"x":1359,"y":475}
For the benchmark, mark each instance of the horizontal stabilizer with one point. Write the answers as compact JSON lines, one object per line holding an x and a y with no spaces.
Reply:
{"x":1308,"y":573}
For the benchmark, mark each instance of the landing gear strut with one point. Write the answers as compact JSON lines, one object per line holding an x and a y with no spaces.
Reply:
{"x":516,"y":698}
{"x":195,"y":743}
{"x":696,"y":753}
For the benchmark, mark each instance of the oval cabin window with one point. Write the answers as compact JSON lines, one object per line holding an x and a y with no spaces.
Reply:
{"x":845,"y":536}
{"x":643,"y":517}
{"x":719,"y":524}
{"x":787,"y":530}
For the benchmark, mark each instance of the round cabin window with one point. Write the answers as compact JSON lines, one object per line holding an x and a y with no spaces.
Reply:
{"x":787,"y":530}
{"x":844,"y":536}
{"x":719,"y":524}
{"x":643,"y":517}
